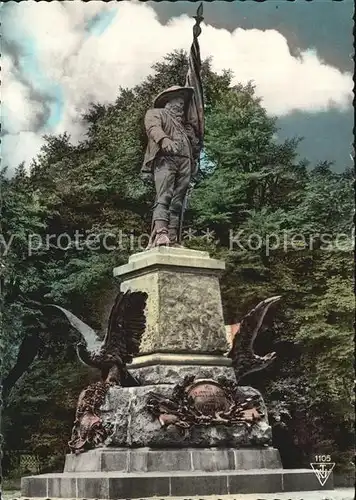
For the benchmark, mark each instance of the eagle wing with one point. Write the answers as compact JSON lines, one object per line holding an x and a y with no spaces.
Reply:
{"x":113,"y":318}
{"x":89,"y":336}
{"x":126,"y":325}
{"x":249,"y":327}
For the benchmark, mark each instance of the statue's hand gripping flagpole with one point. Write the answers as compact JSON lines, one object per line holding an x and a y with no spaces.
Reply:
{"x":195,"y":113}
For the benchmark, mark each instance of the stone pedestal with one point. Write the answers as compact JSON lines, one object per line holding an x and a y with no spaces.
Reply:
{"x":185,"y":335}
{"x":184,"y":311}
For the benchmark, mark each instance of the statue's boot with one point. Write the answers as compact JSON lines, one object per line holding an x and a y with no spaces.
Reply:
{"x":159,"y":235}
{"x":173,"y":237}
{"x":173,"y":230}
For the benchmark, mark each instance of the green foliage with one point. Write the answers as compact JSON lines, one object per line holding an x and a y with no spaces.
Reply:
{"x":251,"y":184}
{"x":22,"y":214}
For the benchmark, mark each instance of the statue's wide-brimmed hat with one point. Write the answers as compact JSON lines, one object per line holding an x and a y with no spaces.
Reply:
{"x":175,"y":91}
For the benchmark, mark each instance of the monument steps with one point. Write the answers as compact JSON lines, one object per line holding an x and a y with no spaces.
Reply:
{"x":111,"y":485}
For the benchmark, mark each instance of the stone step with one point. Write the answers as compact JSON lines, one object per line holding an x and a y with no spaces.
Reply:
{"x":165,"y":460}
{"x":117,"y":485}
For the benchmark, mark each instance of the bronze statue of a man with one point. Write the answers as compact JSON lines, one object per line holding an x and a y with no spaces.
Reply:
{"x":171,"y":158}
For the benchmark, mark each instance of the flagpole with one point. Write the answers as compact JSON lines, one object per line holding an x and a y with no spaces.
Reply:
{"x":196,"y":107}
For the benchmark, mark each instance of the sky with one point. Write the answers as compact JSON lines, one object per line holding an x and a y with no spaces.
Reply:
{"x":58,"y":57}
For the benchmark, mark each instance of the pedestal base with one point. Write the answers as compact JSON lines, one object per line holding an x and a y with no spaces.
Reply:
{"x":116,"y":485}
{"x":133,"y":426}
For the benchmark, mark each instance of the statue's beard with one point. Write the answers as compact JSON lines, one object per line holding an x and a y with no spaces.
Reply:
{"x":177,"y":112}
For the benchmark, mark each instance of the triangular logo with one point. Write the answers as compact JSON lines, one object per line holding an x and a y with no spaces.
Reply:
{"x":322,"y":471}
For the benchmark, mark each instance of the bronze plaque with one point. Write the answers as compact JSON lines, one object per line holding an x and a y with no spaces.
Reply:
{"x":208,"y":397}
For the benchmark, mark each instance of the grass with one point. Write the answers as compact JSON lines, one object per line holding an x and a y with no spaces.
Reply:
{"x":10,"y":494}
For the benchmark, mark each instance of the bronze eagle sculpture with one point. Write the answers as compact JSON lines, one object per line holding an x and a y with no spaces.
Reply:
{"x":244,"y":359}
{"x":126,"y":325}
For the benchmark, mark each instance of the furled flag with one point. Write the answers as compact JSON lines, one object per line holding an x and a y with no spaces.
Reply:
{"x":193,"y":79}
{"x":195,"y":112}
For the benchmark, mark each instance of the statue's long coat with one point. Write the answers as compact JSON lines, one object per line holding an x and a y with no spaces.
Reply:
{"x":159,"y":123}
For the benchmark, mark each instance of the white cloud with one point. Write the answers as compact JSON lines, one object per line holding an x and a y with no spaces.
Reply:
{"x":19,"y":111}
{"x":91,"y":68}
{"x":16,"y":148}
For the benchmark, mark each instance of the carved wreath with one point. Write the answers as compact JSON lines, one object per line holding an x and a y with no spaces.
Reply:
{"x":205,"y":402}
